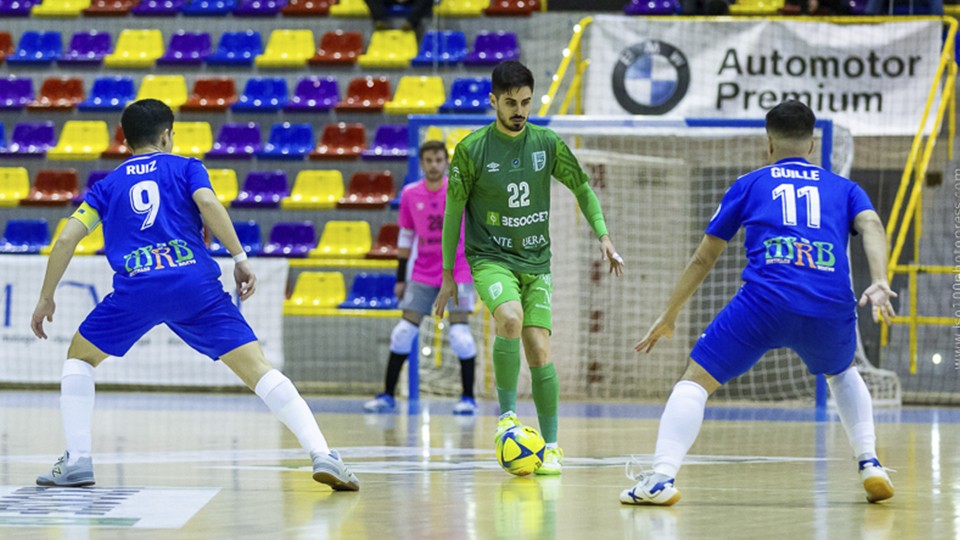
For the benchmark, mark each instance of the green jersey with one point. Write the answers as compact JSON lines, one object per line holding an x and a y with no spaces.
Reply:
{"x":500,"y":187}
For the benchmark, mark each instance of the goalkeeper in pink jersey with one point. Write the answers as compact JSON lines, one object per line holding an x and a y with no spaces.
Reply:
{"x":421,"y":218}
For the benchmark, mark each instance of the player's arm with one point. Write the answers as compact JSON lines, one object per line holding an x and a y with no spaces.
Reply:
{"x":869,"y":225}
{"x":461,"y":179}
{"x":217,"y":219}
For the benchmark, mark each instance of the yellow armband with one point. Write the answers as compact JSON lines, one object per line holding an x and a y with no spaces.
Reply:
{"x":87,"y":215}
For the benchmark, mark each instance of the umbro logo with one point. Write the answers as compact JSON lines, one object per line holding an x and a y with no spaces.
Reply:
{"x":493,"y":167}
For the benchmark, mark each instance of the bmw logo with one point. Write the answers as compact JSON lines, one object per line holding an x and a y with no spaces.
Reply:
{"x":650,"y":78}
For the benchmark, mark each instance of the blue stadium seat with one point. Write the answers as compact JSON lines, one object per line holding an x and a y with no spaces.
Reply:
{"x":24,"y":236}
{"x":262,"y":94}
{"x":208,"y":8}
{"x":109,"y":94}
{"x":288,"y":141}
{"x":444,"y":48}
{"x":237,"y":49}
{"x":468,"y":96}
{"x":371,"y":291}
{"x":249,"y":234}
{"x":37,"y":48}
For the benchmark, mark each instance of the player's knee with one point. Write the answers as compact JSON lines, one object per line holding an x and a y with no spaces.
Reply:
{"x":461,"y":341}
{"x":538,"y":354}
{"x":509,"y":321}
{"x":401,"y":339}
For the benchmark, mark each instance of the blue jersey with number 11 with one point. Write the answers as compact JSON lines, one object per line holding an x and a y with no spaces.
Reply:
{"x":798,"y":218}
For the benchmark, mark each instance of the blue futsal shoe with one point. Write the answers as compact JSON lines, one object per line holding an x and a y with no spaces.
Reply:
{"x":383,"y":403}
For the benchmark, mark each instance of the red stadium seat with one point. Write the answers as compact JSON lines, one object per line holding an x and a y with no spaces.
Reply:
{"x":117,"y":149}
{"x":53,"y":188}
{"x":340,"y":141}
{"x":386,"y":245}
{"x":6,"y":45}
{"x":366,"y":94}
{"x":306,"y":8}
{"x":511,"y":8}
{"x":338,"y":48}
{"x":109,"y":8}
{"x":211,"y":95}
{"x":368,"y":191}
{"x":58,"y":94}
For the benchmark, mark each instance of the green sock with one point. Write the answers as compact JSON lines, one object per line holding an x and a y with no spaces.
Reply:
{"x":506,"y":367}
{"x":546,"y":396}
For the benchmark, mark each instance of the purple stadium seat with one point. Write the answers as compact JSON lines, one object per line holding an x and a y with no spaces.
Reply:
{"x":16,"y":8}
{"x":389,"y":142}
{"x":87,"y":48}
{"x":30,"y":139}
{"x":468,"y":96}
{"x":258,"y":8}
{"x":157,"y":8}
{"x":236,"y":141}
{"x":288,"y":141}
{"x":187,"y":48}
{"x":491,"y":48}
{"x":262,"y":189}
{"x":291,"y":240}
{"x":92,"y":178}
{"x":314,"y":94}
{"x":651,"y":7}
{"x":15,"y":93}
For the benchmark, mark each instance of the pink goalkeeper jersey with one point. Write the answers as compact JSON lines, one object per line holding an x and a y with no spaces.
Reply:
{"x":421,"y":210}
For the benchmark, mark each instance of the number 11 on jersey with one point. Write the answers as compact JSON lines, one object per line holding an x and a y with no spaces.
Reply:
{"x":788,"y":194}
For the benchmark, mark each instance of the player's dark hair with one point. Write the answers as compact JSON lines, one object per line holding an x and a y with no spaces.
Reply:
{"x":144,"y":121}
{"x":791,"y":120}
{"x":434,"y":146}
{"x":509,"y":75}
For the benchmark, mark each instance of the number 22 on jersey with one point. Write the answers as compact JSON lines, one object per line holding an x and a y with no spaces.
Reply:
{"x":788,"y":194}
{"x":519,"y":195}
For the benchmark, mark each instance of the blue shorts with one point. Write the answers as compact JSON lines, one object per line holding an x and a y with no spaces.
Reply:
{"x":207,"y":320}
{"x":749,"y":326}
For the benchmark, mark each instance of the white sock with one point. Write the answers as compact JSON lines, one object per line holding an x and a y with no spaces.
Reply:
{"x":679,"y":426}
{"x":552,"y":445}
{"x":276,"y":390}
{"x":856,"y":410}
{"x":76,"y":407}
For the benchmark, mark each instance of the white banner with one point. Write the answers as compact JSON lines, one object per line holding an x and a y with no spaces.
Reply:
{"x":871,"y":78}
{"x":159,"y":358}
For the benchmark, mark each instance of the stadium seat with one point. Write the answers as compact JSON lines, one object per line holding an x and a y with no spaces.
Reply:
{"x":453,"y":138}
{"x":109,"y":94}
{"x":442,"y":48}
{"x":6,"y":45}
{"x":208,"y":8}
{"x":91,"y":244}
{"x":290,"y":240}
{"x":36,"y":49}
{"x":58,"y":94}
{"x":262,"y":94}
{"x":314,"y":190}
{"x":187,"y":48}
{"x":461,"y":8}
{"x":224,"y":183}
{"x":350,"y":8}
{"x":434,"y":133}
{"x":248,"y":232}
{"x":750,"y":7}
{"x":468,"y":96}
{"x":16,"y":8}
{"x":211,"y":95}
{"x":365,"y":94}
{"x":306,"y":8}
{"x":157,"y":8}
{"x":315,"y":292}
{"x":86,"y":48}
{"x":236,"y":141}
{"x":262,"y":189}
{"x":81,"y":140}
{"x":109,"y":8}
{"x":287,"y":48}
{"x":654,"y":7}
{"x":170,"y":89}
{"x":390,"y":49}
{"x":14,"y":185}
{"x":192,"y":139}
{"x":491,"y":48}
{"x":288,"y":141}
{"x":389,"y":142}
{"x":368,"y":191}
{"x":371,"y":291}
{"x":511,"y":8}
{"x":236,"y":49}
{"x":53,"y":188}
{"x":59,"y":8}
{"x":343,"y":240}
{"x":15,"y":93}
{"x":386,"y":245}
{"x":136,"y":49}
{"x":340,"y":142}
{"x":30,"y":139}
{"x":118,"y":147}
{"x":92,"y":178}
{"x":338,"y":47}
{"x":417,"y":95}
{"x":24,"y":236}
{"x":3,"y":139}
{"x":259,"y":8}
{"x":314,"y":94}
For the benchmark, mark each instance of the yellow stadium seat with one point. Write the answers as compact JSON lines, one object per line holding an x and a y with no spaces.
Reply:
{"x":343,"y":240}
{"x":81,"y":140}
{"x":350,"y":8}
{"x":454,"y":136}
{"x":170,"y":89}
{"x":224,"y":182}
{"x":288,"y":48}
{"x":60,"y":8}
{"x":315,"y":190}
{"x":390,"y":49}
{"x":90,"y":245}
{"x":192,"y":139}
{"x":434,"y":133}
{"x":756,"y":7}
{"x":14,"y":185}
{"x":136,"y":49}
{"x":461,"y":8}
{"x":315,"y":291}
{"x":417,"y":95}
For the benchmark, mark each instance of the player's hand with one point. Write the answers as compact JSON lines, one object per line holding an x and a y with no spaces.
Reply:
{"x":448,"y":290}
{"x":399,"y":289}
{"x":246,"y":279}
{"x":879,"y":295}
{"x":44,"y":310}
{"x":662,"y":327}
{"x":610,"y":254}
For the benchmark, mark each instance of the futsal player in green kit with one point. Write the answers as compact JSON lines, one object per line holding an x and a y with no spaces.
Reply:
{"x":499,"y":187}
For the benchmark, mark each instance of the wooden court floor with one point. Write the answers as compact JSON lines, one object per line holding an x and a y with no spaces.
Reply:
{"x":198,"y":466}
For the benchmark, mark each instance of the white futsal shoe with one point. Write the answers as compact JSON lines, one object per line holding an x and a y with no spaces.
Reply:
{"x":329,"y":469}
{"x":875,"y":480}
{"x":652,"y":488}
{"x":80,"y":474}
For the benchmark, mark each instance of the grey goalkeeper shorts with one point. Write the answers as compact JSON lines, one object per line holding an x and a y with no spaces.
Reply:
{"x":419,"y":297}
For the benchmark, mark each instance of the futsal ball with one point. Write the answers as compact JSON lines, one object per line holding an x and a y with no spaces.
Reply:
{"x":520,"y":450}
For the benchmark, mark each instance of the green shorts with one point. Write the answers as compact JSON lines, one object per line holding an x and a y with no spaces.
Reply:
{"x":496,"y":284}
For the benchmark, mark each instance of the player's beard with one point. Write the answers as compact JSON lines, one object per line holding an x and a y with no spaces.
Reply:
{"x":512,"y":123}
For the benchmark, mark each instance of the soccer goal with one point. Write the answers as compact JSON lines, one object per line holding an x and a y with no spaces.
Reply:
{"x":659,"y":182}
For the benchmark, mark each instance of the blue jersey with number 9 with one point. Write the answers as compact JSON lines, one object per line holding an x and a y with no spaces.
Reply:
{"x":798,"y":218}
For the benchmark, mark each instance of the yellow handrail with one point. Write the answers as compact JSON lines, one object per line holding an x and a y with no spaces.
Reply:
{"x":572,"y":50}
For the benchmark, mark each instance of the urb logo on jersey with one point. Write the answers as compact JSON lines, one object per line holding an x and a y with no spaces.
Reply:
{"x":800,"y":252}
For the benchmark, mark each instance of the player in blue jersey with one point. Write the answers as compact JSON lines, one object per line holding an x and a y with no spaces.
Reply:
{"x":152,"y":209}
{"x":796,"y":293}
